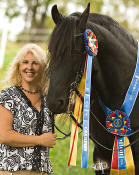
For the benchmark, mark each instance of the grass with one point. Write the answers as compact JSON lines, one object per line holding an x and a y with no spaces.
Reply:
{"x":59,"y":155}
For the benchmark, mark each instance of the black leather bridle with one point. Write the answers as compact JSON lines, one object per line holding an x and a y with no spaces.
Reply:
{"x":74,"y":86}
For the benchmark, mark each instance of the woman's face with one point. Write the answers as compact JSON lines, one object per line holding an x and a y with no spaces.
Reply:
{"x":30,"y":69}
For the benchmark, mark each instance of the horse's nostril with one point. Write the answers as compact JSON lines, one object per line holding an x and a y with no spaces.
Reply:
{"x":60,"y":102}
{"x":57,"y":105}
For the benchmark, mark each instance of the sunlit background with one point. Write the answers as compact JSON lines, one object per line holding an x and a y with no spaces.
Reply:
{"x":24,"y":16}
{"x":30,"y":20}
{"x":23,"y":21}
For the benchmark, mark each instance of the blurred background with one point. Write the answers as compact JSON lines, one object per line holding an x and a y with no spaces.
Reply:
{"x":23,"y":21}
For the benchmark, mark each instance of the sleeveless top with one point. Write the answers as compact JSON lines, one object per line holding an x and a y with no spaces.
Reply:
{"x":26,"y":120}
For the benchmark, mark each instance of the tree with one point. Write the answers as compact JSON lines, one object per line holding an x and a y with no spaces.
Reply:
{"x":38,"y":22}
{"x":96,"y":5}
{"x":35,"y":14}
{"x":126,"y":13}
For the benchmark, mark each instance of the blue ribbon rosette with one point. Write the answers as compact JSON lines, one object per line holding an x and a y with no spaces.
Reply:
{"x":91,"y":46}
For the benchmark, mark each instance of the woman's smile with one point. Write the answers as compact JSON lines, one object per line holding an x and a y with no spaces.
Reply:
{"x":30,"y":74}
{"x":29,"y":69}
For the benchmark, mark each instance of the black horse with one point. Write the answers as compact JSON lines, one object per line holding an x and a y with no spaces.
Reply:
{"x":112,"y":71}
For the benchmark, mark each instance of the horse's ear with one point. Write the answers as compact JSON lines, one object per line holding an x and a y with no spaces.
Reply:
{"x":83,"y":18}
{"x":57,"y":17}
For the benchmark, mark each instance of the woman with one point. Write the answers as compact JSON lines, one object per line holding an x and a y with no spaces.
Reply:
{"x":25,"y":123}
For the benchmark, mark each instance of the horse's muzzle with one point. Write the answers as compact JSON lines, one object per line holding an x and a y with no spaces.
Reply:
{"x":57,"y":105}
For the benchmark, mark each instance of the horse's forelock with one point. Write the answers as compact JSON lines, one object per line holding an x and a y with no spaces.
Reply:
{"x":62,"y":38}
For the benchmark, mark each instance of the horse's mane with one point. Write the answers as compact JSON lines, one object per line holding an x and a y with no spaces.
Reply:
{"x":112,"y":26}
{"x":62,"y":38}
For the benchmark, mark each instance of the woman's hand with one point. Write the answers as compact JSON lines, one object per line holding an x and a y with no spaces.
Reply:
{"x":10,"y":137}
{"x":47,"y":139}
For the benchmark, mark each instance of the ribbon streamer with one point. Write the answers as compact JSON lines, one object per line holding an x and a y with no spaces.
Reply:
{"x":129,"y":158}
{"x":77,"y":115}
{"x":86,"y":114}
{"x":91,"y":46}
{"x":118,"y":123}
{"x":74,"y":135}
{"x":124,"y":165}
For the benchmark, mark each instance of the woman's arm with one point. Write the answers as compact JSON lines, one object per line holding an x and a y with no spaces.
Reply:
{"x":10,"y":137}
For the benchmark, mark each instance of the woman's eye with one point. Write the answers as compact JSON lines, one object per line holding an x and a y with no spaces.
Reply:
{"x":36,"y":63}
{"x":25,"y":62}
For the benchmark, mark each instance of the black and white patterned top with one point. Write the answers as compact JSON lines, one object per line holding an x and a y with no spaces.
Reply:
{"x":26,"y":120}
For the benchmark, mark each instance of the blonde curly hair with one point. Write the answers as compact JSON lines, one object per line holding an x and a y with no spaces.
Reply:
{"x":13,"y":77}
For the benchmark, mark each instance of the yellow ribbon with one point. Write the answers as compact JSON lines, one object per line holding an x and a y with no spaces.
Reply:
{"x":118,"y":172}
{"x":130,"y":167}
{"x":129,"y":158}
{"x":76,"y":113}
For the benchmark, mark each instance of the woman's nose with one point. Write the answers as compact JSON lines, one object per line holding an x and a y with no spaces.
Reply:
{"x":30,"y":66}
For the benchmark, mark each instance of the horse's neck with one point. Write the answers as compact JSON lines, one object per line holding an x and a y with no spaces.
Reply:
{"x":116,"y":61}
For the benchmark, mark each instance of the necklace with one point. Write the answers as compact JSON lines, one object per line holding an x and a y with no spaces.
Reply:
{"x":30,"y":92}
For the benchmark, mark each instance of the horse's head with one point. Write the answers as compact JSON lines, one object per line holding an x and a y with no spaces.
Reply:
{"x":67,"y":57}
{"x":67,"y":51}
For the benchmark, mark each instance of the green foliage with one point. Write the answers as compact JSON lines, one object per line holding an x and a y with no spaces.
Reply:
{"x":35,"y":13}
{"x":13,"y":9}
{"x":59,"y":156}
{"x":135,"y":2}
{"x":96,"y":5}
